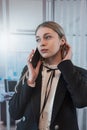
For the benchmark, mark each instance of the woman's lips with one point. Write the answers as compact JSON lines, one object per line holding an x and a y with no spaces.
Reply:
{"x":43,"y":50}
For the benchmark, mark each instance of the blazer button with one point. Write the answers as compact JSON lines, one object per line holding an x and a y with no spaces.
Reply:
{"x":23,"y":118}
{"x":56,"y":127}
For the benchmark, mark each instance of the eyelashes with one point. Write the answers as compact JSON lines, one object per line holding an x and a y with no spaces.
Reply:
{"x":48,"y":37}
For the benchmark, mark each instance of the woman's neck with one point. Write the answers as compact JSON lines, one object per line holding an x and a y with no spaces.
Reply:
{"x":54,"y":60}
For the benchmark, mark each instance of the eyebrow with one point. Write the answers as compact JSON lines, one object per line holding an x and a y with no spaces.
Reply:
{"x":44,"y":34}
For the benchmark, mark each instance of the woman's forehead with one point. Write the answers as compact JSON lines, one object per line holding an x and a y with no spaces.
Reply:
{"x":43,"y":30}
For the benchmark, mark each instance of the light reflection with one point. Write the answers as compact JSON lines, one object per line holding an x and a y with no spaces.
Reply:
{"x":7,"y":42}
{"x":4,"y":37}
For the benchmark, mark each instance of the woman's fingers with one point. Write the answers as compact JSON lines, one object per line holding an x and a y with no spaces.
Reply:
{"x":30,"y":56}
{"x":68,"y":53}
{"x":38,"y":66}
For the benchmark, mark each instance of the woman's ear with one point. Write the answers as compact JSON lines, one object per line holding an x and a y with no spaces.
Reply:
{"x":63,"y":41}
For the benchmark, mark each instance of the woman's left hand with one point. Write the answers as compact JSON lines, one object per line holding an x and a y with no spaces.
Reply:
{"x":68,"y":52}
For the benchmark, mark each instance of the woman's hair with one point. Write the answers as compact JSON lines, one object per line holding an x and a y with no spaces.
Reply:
{"x":54,"y":26}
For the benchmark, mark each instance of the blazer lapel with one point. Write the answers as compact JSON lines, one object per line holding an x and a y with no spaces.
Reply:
{"x":59,"y":97}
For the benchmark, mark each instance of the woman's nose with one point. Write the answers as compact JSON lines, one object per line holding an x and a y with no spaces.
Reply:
{"x":42,"y":43}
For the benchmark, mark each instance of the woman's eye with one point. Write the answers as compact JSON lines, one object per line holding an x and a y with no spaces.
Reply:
{"x":37,"y":40}
{"x":48,"y":37}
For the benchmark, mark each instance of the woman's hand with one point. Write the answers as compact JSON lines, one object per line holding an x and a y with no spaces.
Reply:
{"x":33,"y":72}
{"x":67,"y":53}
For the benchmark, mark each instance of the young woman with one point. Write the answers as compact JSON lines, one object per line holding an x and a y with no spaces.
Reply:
{"x":51,"y":87}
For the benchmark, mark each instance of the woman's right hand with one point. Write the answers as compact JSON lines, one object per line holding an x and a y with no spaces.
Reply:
{"x":33,"y":72}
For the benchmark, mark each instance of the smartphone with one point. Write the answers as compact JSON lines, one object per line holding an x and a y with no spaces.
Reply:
{"x":64,"y":51}
{"x":36,"y":58}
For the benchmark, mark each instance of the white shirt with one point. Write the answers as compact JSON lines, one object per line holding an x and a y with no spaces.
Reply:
{"x":45,"y":117}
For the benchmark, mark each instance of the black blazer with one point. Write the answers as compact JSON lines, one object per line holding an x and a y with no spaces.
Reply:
{"x":71,"y":93}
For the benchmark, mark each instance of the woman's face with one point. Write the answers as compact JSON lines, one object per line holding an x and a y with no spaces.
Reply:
{"x":48,"y":42}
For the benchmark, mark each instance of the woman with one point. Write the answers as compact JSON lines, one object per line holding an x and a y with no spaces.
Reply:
{"x":51,"y":88}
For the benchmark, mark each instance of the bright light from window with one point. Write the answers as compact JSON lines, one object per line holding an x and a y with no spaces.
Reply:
{"x":7,"y":42}
{"x":4,"y":38}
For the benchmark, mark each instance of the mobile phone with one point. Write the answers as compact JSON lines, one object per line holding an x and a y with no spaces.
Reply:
{"x":64,"y":51}
{"x":36,"y":58}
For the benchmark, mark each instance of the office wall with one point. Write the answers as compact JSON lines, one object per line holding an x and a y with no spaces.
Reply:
{"x":71,"y":14}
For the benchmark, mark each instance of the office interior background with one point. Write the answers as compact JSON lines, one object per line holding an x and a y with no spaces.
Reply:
{"x":18,"y":21}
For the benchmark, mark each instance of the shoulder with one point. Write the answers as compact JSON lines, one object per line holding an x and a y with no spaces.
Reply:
{"x":81,"y":70}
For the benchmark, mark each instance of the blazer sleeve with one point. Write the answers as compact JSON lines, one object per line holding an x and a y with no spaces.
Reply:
{"x":76,"y":79}
{"x":20,"y":99}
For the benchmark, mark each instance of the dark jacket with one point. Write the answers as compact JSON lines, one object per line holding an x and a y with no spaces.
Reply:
{"x":71,"y":93}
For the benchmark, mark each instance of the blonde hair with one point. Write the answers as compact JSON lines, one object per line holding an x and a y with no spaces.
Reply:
{"x":54,"y":26}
